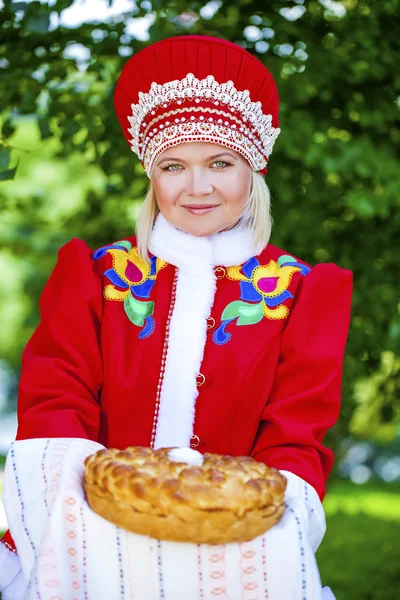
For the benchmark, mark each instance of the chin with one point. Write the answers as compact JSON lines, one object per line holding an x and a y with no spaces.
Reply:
{"x":201,"y":231}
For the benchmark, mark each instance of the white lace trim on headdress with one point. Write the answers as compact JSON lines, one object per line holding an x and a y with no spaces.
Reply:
{"x":254,"y":139}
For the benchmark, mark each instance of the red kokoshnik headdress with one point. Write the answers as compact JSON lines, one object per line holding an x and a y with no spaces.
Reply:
{"x":197,"y":88}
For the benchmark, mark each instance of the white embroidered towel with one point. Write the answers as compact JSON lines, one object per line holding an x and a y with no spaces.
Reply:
{"x":68,"y":551}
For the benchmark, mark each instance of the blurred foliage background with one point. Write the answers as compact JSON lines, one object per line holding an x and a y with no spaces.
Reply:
{"x":66,"y":171}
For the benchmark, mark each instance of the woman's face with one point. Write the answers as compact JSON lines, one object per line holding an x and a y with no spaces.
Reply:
{"x":191,"y":177}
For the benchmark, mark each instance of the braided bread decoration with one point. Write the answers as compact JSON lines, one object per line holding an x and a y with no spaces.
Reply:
{"x":226,"y":499}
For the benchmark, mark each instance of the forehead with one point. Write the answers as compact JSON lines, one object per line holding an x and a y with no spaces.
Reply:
{"x":197,"y":150}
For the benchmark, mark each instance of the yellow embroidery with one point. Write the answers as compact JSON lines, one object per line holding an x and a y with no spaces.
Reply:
{"x":131,"y":281}
{"x":264,"y":289}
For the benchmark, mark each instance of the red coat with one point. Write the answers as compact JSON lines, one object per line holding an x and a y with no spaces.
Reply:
{"x":271,"y":391}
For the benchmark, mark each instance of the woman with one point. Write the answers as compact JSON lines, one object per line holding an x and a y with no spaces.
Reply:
{"x":197,"y":332}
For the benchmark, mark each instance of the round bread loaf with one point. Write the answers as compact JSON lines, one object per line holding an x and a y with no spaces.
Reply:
{"x":226,"y":499}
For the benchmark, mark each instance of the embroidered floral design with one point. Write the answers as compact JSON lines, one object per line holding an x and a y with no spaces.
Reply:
{"x":263,"y":289}
{"x":132,"y":280}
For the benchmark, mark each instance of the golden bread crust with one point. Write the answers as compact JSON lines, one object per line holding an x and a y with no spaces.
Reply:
{"x":227,"y":499}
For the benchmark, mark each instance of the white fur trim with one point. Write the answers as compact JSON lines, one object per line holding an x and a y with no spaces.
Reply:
{"x":195,"y":258}
{"x":228,"y":248}
{"x":187,"y":337}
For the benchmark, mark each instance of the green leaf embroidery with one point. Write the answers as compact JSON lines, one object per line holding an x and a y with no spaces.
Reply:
{"x":232,"y":310}
{"x":125,"y":243}
{"x":284,"y":259}
{"x":138,"y":311}
{"x":250,"y":314}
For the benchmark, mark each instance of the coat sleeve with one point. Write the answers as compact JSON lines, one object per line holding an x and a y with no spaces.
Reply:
{"x":62,"y":370}
{"x":305,"y":398}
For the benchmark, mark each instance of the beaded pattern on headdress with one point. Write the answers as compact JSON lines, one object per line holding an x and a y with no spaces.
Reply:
{"x":247,"y":130}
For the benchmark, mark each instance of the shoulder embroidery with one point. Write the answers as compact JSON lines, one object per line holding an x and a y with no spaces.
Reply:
{"x":263,"y":289}
{"x":132,"y":280}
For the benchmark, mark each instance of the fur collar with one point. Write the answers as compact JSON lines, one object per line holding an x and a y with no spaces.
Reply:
{"x":195,"y":258}
{"x":181,"y":249}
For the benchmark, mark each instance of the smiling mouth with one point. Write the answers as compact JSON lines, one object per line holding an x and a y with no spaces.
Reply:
{"x":199,"y":206}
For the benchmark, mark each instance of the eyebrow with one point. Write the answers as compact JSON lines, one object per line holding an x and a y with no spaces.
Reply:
{"x":208,"y":158}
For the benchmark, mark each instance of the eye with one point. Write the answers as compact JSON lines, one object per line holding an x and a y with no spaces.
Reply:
{"x":226,"y":164}
{"x":221,"y":162}
{"x":167,"y":168}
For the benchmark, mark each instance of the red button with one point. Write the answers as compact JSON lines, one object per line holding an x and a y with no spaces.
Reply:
{"x":210,"y":323}
{"x":194,"y":441}
{"x":200,"y":379}
{"x":220,"y":272}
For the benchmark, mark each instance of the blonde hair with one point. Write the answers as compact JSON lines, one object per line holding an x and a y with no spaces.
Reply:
{"x":256,"y":215}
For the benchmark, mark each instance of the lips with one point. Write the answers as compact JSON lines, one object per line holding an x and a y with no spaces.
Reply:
{"x":199,"y":206}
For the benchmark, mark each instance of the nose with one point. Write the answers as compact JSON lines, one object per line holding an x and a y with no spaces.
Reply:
{"x":197,"y":184}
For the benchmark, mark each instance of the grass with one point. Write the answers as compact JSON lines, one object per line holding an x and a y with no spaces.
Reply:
{"x":359,"y":557}
{"x":375,"y":499}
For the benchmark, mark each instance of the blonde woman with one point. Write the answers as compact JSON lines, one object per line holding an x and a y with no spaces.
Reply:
{"x":195,"y":333}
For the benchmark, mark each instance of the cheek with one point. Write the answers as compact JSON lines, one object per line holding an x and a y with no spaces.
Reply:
{"x":165,"y":194}
{"x":237,"y":190}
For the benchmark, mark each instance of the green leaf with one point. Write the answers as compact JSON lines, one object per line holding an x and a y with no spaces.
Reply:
{"x":8,"y":128}
{"x":17,"y":6}
{"x":72,"y":127}
{"x":61,"y":5}
{"x":8,"y":174}
{"x":38,"y":24}
{"x":250,"y":314}
{"x":5,"y":154}
{"x":137,"y":311}
{"x":45,"y":131}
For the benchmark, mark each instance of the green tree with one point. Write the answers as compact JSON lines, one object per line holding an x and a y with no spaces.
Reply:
{"x":334,"y":173}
